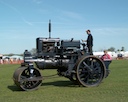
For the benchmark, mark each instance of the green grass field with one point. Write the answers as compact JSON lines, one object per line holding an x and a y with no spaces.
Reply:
{"x":59,"y":89}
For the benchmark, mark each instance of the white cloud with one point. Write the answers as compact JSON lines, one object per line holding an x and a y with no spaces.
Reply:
{"x":38,"y":1}
{"x":111,"y":31}
{"x":17,"y":11}
{"x":69,"y":15}
{"x":110,"y":37}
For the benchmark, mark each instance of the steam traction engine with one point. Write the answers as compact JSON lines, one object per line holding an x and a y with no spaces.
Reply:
{"x":70,"y":59}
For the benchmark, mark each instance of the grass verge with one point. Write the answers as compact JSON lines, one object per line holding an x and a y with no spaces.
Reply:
{"x":59,"y":89}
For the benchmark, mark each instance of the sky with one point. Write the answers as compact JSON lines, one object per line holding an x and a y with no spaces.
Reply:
{"x":22,"y":21}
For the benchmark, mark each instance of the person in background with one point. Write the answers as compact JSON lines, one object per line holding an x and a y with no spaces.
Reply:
{"x":1,"y":59}
{"x":106,"y":56}
{"x":89,"y":42}
{"x":107,"y":60}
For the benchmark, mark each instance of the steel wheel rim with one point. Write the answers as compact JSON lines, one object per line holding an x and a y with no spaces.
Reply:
{"x":93,"y":76}
{"x":29,"y":85}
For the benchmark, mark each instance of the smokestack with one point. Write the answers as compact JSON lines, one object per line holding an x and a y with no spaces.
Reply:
{"x":49,"y":28}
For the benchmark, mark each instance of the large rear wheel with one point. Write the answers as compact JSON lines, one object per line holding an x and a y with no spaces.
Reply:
{"x":90,"y":71}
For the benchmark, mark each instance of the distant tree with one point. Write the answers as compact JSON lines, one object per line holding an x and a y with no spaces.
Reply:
{"x":11,"y":54}
{"x":122,"y":49}
{"x":118,"y":50}
{"x":111,"y":49}
{"x":33,"y":51}
{"x":21,"y":54}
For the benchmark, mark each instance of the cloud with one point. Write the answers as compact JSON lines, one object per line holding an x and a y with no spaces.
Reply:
{"x":27,"y":22}
{"x":37,"y":1}
{"x":72,"y":15}
{"x":107,"y":37}
{"x":17,"y":11}
{"x":111,"y":31}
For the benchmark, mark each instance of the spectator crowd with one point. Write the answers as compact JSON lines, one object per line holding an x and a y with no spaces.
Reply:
{"x":11,"y":59}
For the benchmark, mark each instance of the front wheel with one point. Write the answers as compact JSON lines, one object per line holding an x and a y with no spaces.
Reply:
{"x":25,"y":81}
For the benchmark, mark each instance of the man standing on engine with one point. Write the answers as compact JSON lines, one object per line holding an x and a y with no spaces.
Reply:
{"x":89,"y":42}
